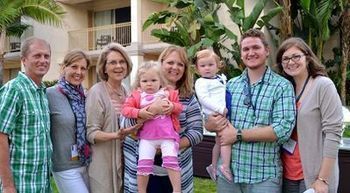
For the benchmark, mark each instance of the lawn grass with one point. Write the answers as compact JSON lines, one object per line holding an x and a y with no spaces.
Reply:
{"x":201,"y":185}
{"x":204,"y":185}
{"x":53,"y":186}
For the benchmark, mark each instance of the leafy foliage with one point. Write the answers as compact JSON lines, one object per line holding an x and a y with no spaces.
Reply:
{"x":195,"y":25}
{"x":49,"y":83}
{"x":313,"y":22}
{"x":43,"y":11}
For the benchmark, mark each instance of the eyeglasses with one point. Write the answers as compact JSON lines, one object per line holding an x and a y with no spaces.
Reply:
{"x":295,"y":58}
{"x":114,"y":62}
{"x":248,"y":96}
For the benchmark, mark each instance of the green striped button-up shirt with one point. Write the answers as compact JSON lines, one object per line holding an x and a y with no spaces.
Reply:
{"x":24,"y":117}
{"x":272,"y":103}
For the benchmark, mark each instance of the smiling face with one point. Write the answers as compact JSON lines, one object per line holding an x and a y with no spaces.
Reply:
{"x":116,"y":66}
{"x":294,"y":62}
{"x":37,"y":61}
{"x":207,"y":67}
{"x":150,"y":81}
{"x":75,"y":72}
{"x":253,"y":53}
{"x":173,"y":68}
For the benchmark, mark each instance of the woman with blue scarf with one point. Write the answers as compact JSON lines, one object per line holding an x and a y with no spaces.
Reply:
{"x":71,"y":150}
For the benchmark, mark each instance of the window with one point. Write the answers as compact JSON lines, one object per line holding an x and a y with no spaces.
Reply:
{"x":112,"y":25}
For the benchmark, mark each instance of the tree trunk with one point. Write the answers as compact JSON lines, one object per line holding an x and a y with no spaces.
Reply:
{"x":2,"y":53}
{"x":286,"y":20}
{"x":345,"y":45}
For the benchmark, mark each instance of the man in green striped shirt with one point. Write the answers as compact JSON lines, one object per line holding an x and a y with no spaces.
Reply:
{"x":262,"y":119}
{"x":25,"y":145}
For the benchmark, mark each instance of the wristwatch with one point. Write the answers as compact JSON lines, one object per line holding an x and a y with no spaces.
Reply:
{"x":239,"y":135}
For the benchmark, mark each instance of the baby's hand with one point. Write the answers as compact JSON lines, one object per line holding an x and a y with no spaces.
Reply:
{"x":225,"y":112}
{"x":144,"y":114}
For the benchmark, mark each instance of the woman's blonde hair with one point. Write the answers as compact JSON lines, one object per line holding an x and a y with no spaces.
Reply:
{"x":102,"y":59}
{"x":205,"y":54}
{"x":145,"y":67}
{"x":185,"y":84}
{"x":75,"y":55}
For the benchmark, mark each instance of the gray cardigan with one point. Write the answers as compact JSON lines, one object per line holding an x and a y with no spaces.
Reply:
{"x":319,"y":127}
{"x":105,"y":170}
{"x":62,"y":130}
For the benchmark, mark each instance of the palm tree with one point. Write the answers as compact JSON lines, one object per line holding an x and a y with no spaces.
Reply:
{"x":286,"y":29}
{"x":11,"y":11}
{"x":345,"y":46}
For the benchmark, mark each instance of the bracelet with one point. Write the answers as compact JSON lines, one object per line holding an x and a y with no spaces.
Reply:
{"x":323,"y":180}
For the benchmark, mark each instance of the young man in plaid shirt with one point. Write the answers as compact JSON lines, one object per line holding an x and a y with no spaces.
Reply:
{"x":25,"y":145}
{"x":262,"y":119}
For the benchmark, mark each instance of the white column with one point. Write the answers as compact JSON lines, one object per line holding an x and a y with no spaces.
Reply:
{"x":135,"y":48}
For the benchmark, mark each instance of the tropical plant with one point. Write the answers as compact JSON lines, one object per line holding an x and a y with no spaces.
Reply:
{"x":11,"y":12}
{"x":237,"y":12}
{"x":195,"y":25}
{"x":313,"y":17}
{"x":345,"y":46}
{"x":286,"y":29}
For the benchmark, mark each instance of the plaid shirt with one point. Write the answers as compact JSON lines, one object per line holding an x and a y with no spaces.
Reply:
{"x":274,"y":102}
{"x":24,"y":117}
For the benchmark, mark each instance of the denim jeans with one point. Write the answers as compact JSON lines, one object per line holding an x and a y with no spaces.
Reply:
{"x":293,"y":186}
{"x":273,"y":185}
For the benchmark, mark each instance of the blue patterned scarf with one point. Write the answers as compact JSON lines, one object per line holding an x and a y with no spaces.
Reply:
{"x":76,"y":98}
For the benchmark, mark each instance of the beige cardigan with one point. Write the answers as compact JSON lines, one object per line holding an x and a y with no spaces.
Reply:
{"x":105,"y":170}
{"x":319,"y":130}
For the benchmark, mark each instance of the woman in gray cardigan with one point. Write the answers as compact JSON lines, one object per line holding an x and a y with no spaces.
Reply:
{"x":71,"y":150}
{"x":103,"y":105}
{"x":310,"y":158}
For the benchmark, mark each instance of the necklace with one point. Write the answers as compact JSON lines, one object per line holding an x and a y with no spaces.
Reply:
{"x":115,"y":93}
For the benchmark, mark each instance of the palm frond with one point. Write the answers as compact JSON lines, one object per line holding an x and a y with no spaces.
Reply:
{"x":16,"y":29}
{"x":43,"y":11}
{"x":9,"y":11}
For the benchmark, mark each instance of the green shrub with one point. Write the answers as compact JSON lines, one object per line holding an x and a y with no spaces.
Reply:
{"x":346,"y":131}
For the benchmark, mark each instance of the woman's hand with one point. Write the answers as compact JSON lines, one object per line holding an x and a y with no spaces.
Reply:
{"x":126,"y":131}
{"x":167,"y":107}
{"x":216,"y":122}
{"x":145,"y":114}
{"x":156,"y":107}
{"x":320,"y":186}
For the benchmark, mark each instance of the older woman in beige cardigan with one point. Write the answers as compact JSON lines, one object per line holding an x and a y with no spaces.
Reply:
{"x":103,"y":104}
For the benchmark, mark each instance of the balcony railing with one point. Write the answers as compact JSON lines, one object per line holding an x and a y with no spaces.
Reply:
{"x":13,"y":44}
{"x":97,"y":37}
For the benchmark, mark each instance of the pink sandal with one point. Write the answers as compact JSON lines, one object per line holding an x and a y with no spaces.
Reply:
{"x":226,"y":173}
{"x":211,"y":171}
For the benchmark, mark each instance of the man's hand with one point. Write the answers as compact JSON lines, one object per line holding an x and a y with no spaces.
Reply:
{"x":9,"y":190}
{"x":216,"y":122}
{"x":228,"y":135}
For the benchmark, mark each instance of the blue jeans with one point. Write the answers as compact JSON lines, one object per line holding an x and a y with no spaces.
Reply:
{"x":293,"y":186}
{"x":273,"y":185}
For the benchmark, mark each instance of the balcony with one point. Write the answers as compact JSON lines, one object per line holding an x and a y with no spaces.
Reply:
{"x":96,"y":38}
{"x":13,"y":44}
